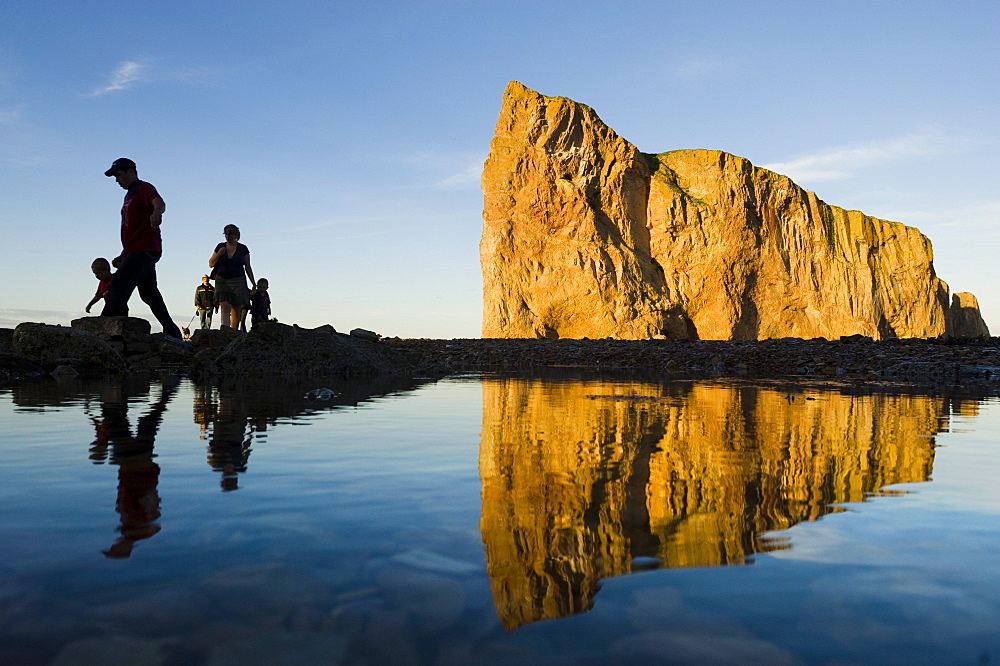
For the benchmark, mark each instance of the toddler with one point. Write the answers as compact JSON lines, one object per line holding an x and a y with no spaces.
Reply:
{"x":260,"y":304}
{"x":102,"y":271}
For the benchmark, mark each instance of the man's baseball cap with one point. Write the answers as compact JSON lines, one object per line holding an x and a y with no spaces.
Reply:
{"x":203,"y":277}
{"x":120,"y":164}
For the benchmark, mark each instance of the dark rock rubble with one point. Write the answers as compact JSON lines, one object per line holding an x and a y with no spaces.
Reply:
{"x":852,"y":358}
{"x":95,"y":345}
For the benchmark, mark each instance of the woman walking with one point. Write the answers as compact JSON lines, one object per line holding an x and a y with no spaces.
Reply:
{"x":231,"y":261}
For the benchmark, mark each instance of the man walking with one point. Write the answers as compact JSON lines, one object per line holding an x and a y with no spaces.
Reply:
{"x":204,"y":300}
{"x":142,"y":213}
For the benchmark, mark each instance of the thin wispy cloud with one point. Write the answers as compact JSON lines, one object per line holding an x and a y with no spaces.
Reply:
{"x":25,"y":162}
{"x":978,"y":220}
{"x":10,"y":317}
{"x":196,"y":75}
{"x":844,"y":162}
{"x":448,"y":171}
{"x":126,"y":74}
{"x":699,"y":67}
{"x":10,"y":115}
{"x":463,"y":178}
{"x":374,"y":225}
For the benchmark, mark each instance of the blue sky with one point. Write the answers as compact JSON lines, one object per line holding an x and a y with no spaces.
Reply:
{"x":346,"y":139}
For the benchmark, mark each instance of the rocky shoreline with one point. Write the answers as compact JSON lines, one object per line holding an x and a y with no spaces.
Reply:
{"x":96,"y":345}
{"x":854,"y":358}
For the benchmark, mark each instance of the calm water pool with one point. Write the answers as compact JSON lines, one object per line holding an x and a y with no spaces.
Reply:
{"x":496,"y":520}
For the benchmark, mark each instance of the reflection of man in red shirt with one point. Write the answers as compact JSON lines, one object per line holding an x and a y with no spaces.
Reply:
{"x":142,"y":213}
{"x":138,"y":503}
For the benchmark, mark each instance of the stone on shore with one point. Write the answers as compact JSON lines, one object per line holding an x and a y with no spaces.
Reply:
{"x":94,"y":345}
{"x":51,"y":346}
{"x":272,"y":348}
{"x":109,"y":328}
{"x":211,"y":338}
{"x":965,"y":316}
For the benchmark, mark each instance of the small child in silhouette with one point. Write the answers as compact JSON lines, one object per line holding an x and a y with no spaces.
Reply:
{"x":102,"y":271}
{"x":260,"y":304}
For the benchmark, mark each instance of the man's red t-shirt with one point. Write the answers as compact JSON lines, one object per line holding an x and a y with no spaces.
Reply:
{"x":138,"y":235}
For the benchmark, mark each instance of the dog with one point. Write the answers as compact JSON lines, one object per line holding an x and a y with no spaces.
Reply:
{"x":187,"y":332}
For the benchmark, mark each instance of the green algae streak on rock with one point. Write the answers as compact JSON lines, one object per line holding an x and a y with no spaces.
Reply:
{"x":586,"y":236}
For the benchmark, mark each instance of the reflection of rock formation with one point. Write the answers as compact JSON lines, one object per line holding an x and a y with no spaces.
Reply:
{"x":580,"y":478}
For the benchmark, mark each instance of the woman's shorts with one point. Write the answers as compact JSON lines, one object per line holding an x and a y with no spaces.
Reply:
{"x":232,"y":290}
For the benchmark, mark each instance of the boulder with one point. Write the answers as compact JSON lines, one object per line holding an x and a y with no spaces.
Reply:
{"x":365,"y":334}
{"x":271,"y":348}
{"x":12,"y":364}
{"x":6,"y":340}
{"x":51,"y":346}
{"x":129,"y":329}
{"x":966,"y":320}
{"x":210,"y":338}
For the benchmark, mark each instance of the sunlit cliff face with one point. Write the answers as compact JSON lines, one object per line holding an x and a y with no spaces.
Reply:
{"x":581,"y":478}
{"x":584,"y":235}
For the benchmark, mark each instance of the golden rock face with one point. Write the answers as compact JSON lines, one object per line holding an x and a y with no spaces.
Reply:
{"x":581,"y":478}
{"x":585,"y":236}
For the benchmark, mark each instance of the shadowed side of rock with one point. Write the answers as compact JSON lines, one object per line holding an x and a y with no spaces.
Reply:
{"x":272,"y":348}
{"x":849,"y":359}
{"x":12,"y":363}
{"x":281,"y":352}
{"x":101,"y":345}
{"x":965,"y":318}
{"x":51,"y":346}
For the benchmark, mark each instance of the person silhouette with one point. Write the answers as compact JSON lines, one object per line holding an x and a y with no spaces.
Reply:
{"x":229,"y":444}
{"x":142,"y":246}
{"x":138,"y":500}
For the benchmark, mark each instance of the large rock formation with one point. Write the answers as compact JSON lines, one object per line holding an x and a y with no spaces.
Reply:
{"x":585,"y":236}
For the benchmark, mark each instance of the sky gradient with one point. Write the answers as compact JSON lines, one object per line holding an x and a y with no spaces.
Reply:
{"x":346,"y":140}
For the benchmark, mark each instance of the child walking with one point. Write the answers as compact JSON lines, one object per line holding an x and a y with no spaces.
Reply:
{"x":260,"y":304}
{"x":102,"y":271}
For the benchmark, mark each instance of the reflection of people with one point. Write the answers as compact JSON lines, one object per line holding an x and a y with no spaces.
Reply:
{"x":102,"y":271}
{"x":204,"y":408}
{"x":260,"y":304}
{"x":229,"y":445}
{"x":232,"y":263}
{"x":204,"y":301}
{"x":138,"y":503}
{"x":142,"y":213}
